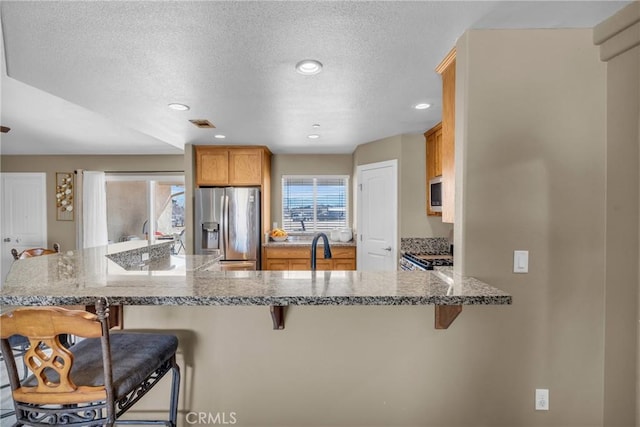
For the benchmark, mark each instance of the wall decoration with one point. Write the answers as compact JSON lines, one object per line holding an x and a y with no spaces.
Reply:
{"x":64,"y":196}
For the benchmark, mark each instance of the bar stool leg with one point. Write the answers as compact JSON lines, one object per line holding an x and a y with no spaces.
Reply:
{"x":175,"y":390}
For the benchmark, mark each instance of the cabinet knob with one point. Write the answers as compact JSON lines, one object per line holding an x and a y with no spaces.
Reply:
{"x":388,"y":249}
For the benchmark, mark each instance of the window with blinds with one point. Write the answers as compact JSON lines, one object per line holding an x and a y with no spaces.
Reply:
{"x":315,"y":203}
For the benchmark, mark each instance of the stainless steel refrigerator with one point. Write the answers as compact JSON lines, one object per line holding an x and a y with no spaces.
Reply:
{"x":228,"y":223}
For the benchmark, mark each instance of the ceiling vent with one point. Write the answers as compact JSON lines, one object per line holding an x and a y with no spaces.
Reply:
{"x":203,"y":124}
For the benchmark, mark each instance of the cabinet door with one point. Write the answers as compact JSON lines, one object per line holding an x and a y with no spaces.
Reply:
{"x":300,"y":264}
{"x":245,"y":167}
{"x":323,"y":264}
{"x":437,"y":152}
{"x":212,"y":166}
{"x":277,"y":264}
{"x":344,"y":264}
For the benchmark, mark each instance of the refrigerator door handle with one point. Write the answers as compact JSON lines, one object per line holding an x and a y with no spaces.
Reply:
{"x":225,"y":225}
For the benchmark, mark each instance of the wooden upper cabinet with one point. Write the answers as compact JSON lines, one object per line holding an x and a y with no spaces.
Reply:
{"x":437,"y":152}
{"x":217,"y":166}
{"x":447,"y":69}
{"x":433,"y":139}
{"x":245,"y":167}
{"x":212,"y":166}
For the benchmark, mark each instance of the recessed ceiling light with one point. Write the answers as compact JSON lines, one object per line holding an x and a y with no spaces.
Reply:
{"x":219,"y":136}
{"x":313,"y":136}
{"x":422,"y":106}
{"x":315,"y":125}
{"x":309,"y":67}
{"x":178,"y":107}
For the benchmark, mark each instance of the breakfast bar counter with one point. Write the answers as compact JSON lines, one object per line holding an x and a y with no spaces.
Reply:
{"x":80,"y":277}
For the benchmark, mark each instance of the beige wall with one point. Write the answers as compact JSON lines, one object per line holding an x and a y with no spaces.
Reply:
{"x":414,"y":221}
{"x":410,"y":151}
{"x":622,"y":316}
{"x":305,"y":164}
{"x":617,"y":37}
{"x":64,"y":232}
{"x":534,"y":143}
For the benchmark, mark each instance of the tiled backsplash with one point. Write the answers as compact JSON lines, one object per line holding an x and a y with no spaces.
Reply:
{"x":438,"y":245}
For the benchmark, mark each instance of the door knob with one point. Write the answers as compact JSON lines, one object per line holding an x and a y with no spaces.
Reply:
{"x":7,"y":239}
{"x":388,"y":248}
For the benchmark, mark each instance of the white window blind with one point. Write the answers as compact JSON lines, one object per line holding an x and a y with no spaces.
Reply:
{"x":315,"y":203}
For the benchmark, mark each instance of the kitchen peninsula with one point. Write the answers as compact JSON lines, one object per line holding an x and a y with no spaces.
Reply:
{"x":123,"y":274}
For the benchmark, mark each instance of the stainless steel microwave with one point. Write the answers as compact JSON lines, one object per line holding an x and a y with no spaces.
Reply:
{"x":435,"y":194}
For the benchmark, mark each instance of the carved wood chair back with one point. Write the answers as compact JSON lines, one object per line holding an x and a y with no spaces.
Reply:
{"x":94,"y":381}
{"x":47,"y":358}
{"x":27,"y":253}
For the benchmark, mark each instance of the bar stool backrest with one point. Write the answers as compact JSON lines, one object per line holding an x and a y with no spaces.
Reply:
{"x":43,"y":326}
{"x":27,"y":253}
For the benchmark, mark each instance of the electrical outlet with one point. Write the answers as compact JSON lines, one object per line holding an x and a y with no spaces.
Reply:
{"x":145,"y":256}
{"x":542,"y":399}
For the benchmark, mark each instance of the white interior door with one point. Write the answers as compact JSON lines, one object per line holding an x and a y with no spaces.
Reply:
{"x":23,"y":214}
{"x":377,"y":205}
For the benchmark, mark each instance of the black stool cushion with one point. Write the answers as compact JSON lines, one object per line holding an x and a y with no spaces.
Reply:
{"x":18,"y":341}
{"x":134,"y":356}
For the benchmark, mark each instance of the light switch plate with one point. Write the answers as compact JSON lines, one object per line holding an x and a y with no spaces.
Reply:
{"x":520,"y":261}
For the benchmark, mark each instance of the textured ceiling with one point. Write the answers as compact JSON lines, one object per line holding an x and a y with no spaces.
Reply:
{"x":96,"y":77}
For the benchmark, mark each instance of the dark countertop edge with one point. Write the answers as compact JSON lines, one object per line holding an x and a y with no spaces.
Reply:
{"x":258,"y":301}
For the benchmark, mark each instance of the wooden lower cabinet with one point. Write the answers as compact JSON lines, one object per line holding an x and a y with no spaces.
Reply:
{"x":299,"y":258}
{"x":344,"y":264}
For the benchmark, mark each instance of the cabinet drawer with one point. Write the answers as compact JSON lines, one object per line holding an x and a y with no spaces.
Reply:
{"x":323,"y":264}
{"x":342,"y":252}
{"x":344,"y":264}
{"x":299,"y":264}
{"x":288,"y":253}
{"x":277,"y":264}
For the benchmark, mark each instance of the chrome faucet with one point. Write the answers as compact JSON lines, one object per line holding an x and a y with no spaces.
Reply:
{"x":314,"y":243}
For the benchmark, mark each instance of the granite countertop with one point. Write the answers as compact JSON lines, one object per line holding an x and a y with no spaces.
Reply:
{"x":79,"y":277}
{"x":298,"y":239}
{"x":306,"y":243}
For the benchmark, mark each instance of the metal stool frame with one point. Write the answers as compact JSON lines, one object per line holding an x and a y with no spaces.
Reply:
{"x":101,"y":412}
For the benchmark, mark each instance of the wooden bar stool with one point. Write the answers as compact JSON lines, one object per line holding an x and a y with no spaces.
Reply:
{"x":96,"y":380}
